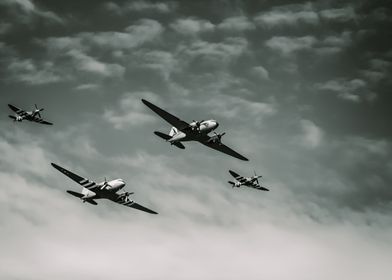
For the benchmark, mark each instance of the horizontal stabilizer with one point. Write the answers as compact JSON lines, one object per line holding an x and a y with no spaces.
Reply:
{"x":12,"y":117}
{"x":178,"y":145}
{"x":80,"y":195}
{"x":167,"y":137}
{"x":162,"y":135}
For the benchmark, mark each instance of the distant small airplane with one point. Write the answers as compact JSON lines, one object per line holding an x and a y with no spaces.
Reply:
{"x":34,"y":116}
{"x":194,"y":131}
{"x":108,"y":190}
{"x":252,"y":182}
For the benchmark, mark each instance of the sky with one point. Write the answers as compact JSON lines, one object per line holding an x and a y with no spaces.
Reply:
{"x":302,"y":89}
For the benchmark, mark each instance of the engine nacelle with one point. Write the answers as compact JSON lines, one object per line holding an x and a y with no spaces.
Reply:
{"x":216,"y":138}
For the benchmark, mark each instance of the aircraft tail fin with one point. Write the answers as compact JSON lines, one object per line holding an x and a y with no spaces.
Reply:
{"x":173,"y":131}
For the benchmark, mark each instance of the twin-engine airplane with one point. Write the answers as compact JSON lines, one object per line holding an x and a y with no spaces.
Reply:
{"x":34,"y":116}
{"x":108,"y":190}
{"x":194,"y":131}
{"x":252,"y":182}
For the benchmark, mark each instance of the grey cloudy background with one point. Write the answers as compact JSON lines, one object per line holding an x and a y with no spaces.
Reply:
{"x":301,"y":88}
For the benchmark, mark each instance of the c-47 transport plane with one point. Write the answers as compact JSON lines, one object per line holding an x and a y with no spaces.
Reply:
{"x":34,"y":116}
{"x":194,"y":131}
{"x":108,"y":190}
{"x":252,"y":182}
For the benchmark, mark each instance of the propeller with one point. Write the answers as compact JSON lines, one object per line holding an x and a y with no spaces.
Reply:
{"x":257,"y":177}
{"x":38,"y":111}
{"x":105,"y":184}
{"x":217,"y":137}
{"x":196,"y":124}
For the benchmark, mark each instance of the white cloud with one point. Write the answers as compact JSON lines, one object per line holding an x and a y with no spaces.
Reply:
{"x":130,"y":111}
{"x":192,"y":26}
{"x":145,"y":30}
{"x":33,"y":73}
{"x":26,"y":155}
{"x":236,"y":24}
{"x":339,"y":15}
{"x":87,"y":87}
{"x":351,"y":90}
{"x":288,"y":45}
{"x":287,"y":16}
{"x":162,"y":61}
{"x":312,"y":134}
{"x":89,"y":64}
{"x":25,"y":11}
{"x":334,"y":43}
{"x":260,"y":72}
{"x":231,"y":107}
{"x":140,"y":6}
{"x":216,"y":53}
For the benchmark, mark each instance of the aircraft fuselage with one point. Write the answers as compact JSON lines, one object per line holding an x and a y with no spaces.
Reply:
{"x":194,"y":131}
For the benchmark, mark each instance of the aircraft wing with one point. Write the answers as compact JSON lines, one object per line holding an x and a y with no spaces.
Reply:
{"x":238,"y":177}
{"x":86,"y":183}
{"x":20,"y":112}
{"x":173,"y":120}
{"x":224,"y":149}
{"x":39,"y":120}
{"x":130,"y":203}
{"x":257,"y":186}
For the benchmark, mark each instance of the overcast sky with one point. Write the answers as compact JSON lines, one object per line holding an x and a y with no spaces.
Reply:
{"x":302,"y":89}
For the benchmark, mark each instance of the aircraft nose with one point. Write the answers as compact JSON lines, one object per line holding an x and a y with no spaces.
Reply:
{"x":216,"y":124}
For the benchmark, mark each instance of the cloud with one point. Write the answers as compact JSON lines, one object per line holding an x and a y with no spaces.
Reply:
{"x":192,"y":26}
{"x":334,"y":43}
{"x":144,"y":30}
{"x":289,"y":45}
{"x":339,"y":15}
{"x":140,"y":6}
{"x":87,"y":87}
{"x":218,"y":54}
{"x":89,"y":64}
{"x":25,"y":11}
{"x":130,"y":112}
{"x":32,"y":73}
{"x":260,"y":72}
{"x":236,"y":24}
{"x":161,"y":61}
{"x":378,"y":70}
{"x":288,"y":15}
{"x":22,"y":153}
{"x":353,"y":90}
{"x":312,"y":135}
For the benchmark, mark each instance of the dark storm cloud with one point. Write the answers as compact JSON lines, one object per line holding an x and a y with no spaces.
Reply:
{"x":302,"y":89}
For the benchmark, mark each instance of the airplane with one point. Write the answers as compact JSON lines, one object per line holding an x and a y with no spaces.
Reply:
{"x":34,"y":116}
{"x":252,"y":182}
{"x":194,"y":131}
{"x":108,"y":190}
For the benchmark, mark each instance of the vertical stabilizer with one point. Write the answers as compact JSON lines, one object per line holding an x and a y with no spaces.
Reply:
{"x":173,"y":131}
